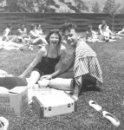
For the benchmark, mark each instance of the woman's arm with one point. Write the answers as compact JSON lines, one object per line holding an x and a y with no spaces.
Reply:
{"x":34,"y":62}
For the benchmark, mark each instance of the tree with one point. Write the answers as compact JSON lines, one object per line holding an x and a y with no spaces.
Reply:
{"x":117,"y":8}
{"x":13,"y":6}
{"x":121,"y":11}
{"x":43,"y":6}
{"x":110,"y":7}
{"x":95,"y":8}
{"x":81,"y":6}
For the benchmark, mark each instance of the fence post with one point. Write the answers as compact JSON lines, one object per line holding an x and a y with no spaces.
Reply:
{"x":113,"y":22}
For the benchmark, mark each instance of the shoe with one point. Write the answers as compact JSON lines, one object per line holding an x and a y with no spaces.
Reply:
{"x":92,"y":89}
{"x":95,"y":105}
{"x":111,"y":118}
{"x":4,"y":123}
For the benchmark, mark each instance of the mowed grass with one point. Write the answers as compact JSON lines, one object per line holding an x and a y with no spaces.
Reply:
{"x":16,"y":61}
{"x":111,"y":58}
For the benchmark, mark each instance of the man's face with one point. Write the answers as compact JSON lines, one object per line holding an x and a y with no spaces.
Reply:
{"x":71,"y":37}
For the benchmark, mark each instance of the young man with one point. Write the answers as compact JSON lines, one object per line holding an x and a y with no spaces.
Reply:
{"x":87,"y":70}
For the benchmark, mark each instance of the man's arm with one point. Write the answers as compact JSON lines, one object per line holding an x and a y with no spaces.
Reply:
{"x":66,"y":69}
{"x":64,"y":65}
{"x":60,"y":70}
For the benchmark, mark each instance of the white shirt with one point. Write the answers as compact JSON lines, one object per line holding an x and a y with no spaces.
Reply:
{"x":6,"y":32}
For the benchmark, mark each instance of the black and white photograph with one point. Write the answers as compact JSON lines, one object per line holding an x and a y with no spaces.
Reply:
{"x":61,"y":64}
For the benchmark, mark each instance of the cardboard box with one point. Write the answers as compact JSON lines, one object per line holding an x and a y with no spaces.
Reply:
{"x":52,"y":102}
{"x":14,"y":101}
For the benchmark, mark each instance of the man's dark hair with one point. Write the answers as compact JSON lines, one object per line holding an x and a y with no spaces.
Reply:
{"x":67,"y":26}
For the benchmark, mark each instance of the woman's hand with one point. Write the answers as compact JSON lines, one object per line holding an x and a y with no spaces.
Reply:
{"x":46,"y":77}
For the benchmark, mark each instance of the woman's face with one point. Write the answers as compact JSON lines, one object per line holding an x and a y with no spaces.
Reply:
{"x":54,"y":39}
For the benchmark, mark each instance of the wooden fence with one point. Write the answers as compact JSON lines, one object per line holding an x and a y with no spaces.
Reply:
{"x":50,"y":21}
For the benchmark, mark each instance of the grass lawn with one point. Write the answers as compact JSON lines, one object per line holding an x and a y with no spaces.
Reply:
{"x":111,"y":57}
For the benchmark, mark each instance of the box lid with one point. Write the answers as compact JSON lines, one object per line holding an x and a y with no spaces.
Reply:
{"x":53,"y":97}
{"x":3,"y":90}
{"x":18,"y":89}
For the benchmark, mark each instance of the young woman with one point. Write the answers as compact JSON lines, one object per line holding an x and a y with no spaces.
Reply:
{"x":46,"y":60}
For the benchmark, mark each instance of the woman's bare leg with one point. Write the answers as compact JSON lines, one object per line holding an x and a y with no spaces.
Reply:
{"x":66,"y":85}
{"x":57,"y":83}
{"x":61,"y":83}
{"x":34,"y":77}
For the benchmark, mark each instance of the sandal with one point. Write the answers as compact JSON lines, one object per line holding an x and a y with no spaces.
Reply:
{"x":111,"y":118}
{"x":95,"y":105}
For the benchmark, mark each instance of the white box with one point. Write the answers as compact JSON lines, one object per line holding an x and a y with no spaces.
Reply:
{"x":14,"y":101}
{"x":52,"y":102}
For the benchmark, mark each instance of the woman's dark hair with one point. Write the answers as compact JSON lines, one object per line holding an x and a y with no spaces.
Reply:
{"x":56,"y":31}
